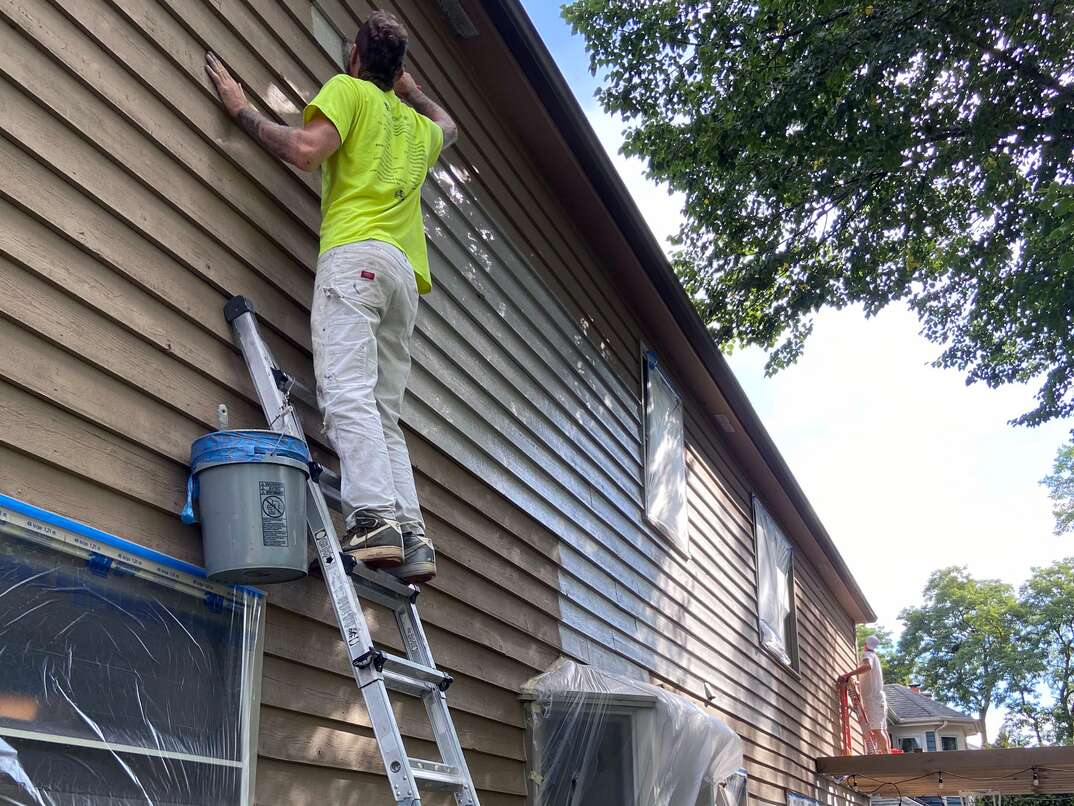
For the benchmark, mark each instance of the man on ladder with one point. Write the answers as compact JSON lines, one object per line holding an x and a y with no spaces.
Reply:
{"x":374,"y":152}
{"x":873,"y":697}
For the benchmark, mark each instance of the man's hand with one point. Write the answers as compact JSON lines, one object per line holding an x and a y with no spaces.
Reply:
{"x":405,"y":86}
{"x":231,"y":94}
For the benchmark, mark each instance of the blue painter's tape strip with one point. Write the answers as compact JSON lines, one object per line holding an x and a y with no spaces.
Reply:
{"x":51,"y":518}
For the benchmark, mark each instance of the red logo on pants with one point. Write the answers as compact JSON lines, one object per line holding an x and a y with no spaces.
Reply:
{"x":368,"y":275}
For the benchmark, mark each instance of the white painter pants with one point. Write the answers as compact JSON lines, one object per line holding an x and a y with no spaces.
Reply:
{"x":365,"y":303}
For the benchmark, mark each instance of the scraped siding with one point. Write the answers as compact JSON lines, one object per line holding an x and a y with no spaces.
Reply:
{"x":130,"y":210}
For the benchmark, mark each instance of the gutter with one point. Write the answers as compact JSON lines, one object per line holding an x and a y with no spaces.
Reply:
{"x":517,"y":31}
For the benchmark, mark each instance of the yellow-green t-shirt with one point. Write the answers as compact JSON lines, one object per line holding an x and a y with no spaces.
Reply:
{"x":371,"y":185}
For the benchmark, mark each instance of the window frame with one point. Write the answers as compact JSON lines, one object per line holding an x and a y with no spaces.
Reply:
{"x":953,"y":739}
{"x":793,"y":660}
{"x":638,"y":708}
{"x":650,"y":362}
{"x":930,"y":747}
{"x":119,"y":559}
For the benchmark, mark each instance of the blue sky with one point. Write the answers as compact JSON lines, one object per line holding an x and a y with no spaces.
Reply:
{"x":909,"y":468}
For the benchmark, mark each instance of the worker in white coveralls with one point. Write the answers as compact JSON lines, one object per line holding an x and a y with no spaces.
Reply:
{"x":374,"y":135}
{"x":873,"y":698}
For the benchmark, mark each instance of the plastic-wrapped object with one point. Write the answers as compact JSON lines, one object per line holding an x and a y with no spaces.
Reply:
{"x":126,"y":677}
{"x":605,"y":740}
{"x":774,"y":556}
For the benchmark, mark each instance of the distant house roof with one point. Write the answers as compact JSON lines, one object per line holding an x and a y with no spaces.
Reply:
{"x":906,"y":705}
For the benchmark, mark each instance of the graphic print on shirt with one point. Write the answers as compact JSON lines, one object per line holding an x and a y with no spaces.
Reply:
{"x":406,"y":173}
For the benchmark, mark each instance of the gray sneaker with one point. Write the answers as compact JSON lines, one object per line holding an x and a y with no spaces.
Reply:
{"x":419,"y":560}
{"x":377,"y":542}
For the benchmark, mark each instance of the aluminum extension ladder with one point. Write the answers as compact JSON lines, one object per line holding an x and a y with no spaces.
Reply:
{"x":374,"y":671}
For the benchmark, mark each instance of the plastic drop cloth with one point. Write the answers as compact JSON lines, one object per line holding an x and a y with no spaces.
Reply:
{"x":605,"y":740}
{"x":124,"y":679}
{"x":774,"y":555}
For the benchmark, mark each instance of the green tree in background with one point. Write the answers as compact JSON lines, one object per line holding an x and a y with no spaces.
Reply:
{"x":896,"y":670}
{"x":959,"y":641}
{"x":1047,"y":600}
{"x":1060,"y":484}
{"x":858,"y":152}
{"x":886,"y":645}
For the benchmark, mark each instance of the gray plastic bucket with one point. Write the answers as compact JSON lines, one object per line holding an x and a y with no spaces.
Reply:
{"x":251,"y":492}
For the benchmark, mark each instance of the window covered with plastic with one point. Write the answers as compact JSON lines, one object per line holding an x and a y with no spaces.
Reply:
{"x":127,"y":677}
{"x":600,"y":739}
{"x":665,"y":455}
{"x":774,"y":586}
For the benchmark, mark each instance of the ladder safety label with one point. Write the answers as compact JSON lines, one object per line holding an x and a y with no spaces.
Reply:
{"x":273,"y":513}
{"x":350,"y":629}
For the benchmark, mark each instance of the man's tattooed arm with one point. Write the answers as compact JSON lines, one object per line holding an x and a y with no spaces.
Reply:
{"x":305,"y":148}
{"x":280,"y":141}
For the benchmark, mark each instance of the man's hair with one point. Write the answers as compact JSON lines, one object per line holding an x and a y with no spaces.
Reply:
{"x":381,"y":43}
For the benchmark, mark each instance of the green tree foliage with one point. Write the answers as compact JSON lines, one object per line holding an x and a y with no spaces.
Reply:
{"x":974,"y":644}
{"x":896,"y":670}
{"x":886,"y":643}
{"x":959,"y":641}
{"x":859,"y":152}
{"x":1060,"y":484}
{"x":1048,"y":637}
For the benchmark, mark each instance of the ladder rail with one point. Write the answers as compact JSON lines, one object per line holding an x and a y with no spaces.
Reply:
{"x":349,"y":617}
{"x":374,"y":671}
{"x":447,"y":738}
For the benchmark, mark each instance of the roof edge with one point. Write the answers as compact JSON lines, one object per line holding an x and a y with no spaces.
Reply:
{"x":517,"y":30}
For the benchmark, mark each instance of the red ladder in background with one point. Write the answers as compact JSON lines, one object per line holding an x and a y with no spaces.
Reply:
{"x":850,"y":697}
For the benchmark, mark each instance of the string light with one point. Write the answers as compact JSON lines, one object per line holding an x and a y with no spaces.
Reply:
{"x":1036,"y":778}
{"x":939,"y":782}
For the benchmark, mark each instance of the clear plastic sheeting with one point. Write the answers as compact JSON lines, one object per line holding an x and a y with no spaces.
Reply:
{"x":126,"y":676}
{"x":665,"y":456}
{"x":600,"y":739}
{"x":774,"y":555}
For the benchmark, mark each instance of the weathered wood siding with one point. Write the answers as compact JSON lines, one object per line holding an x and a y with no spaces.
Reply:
{"x":131,"y":209}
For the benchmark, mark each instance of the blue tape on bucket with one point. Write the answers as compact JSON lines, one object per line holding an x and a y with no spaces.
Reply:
{"x":235,"y":447}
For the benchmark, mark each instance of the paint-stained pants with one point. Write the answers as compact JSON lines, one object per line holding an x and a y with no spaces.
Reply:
{"x":365,"y":303}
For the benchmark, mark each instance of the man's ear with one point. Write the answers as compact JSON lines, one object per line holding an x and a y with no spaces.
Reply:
{"x":352,"y":60}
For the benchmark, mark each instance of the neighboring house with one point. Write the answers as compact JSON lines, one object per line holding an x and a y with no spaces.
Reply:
{"x":595,"y":479}
{"x":918,"y":723}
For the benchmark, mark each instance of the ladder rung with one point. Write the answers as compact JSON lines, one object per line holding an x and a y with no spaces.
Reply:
{"x":435,"y":775}
{"x":407,"y":685}
{"x":287,"y":384}
{"x":416,"y":672}
{"x":329,"y":479}
{"x":378,"y":586}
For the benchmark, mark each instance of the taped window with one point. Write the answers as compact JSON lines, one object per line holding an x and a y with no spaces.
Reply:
{"x":599,"y":739}
{"x":665,"y":455}
{"x":775,"y":587}
{"x":128,"y":677}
